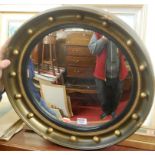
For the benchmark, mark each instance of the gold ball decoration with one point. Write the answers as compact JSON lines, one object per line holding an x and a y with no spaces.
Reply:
{"x":142,"y":67}
{"x":73,"y":138}
{"x":135,"y":116}
{"x":104,"y":23}
{"x":96,"y":139}
{"x":15,"y":52}
{"x":118,"y":133}
{"x":13,"y":74}
{"x":30,"y":115}
{"x":29,"y":31}
{"x":18,"y":96}
{"x":78,"y":17}
{"x":143,"y":95}
{"x":49,"y":130}
{"x":51,"y":19}
{"x":129,"y":42}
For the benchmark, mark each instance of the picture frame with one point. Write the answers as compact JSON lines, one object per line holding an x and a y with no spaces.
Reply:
{"x":55,"y":96}
{"x":10,"y":22}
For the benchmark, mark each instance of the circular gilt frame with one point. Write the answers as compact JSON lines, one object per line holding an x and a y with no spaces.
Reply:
{"x":36,"y":28}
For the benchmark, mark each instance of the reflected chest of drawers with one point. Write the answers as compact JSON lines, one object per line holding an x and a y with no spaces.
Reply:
{"x":80,"y":62}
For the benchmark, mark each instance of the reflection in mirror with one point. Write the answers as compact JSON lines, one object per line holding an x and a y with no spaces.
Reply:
{"x":79,"y":77}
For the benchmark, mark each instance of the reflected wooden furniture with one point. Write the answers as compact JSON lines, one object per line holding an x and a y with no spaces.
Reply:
{"x":49,"y":56}
{"x":29,"y":141}
{"x":79,"y":90}
{"x":44,"y":55}
{"x":36,"y":55}
{"x":80,"y":62}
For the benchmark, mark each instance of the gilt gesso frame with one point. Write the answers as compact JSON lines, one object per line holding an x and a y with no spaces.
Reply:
{"x":106,"y":135}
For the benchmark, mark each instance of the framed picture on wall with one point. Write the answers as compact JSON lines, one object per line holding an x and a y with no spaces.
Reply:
{"x":13,"y":25}
{"x":10,"y":22}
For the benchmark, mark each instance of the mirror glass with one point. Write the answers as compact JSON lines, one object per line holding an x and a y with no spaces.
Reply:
{"x":79,"y":77}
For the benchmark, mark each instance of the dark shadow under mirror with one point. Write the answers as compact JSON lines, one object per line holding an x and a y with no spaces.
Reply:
{"x":79,"y":77}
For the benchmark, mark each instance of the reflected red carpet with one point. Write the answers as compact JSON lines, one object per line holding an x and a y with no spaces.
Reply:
{"x":92,"y":111}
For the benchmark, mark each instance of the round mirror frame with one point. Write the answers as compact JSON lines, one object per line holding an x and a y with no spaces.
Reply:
{"x":109,"y":24}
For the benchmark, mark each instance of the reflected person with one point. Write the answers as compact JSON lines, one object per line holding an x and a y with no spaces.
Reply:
{"x":110,"y":71}
{"x":34,"y":90}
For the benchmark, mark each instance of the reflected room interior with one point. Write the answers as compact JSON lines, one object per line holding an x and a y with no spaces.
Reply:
{"x":61,"y":77}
